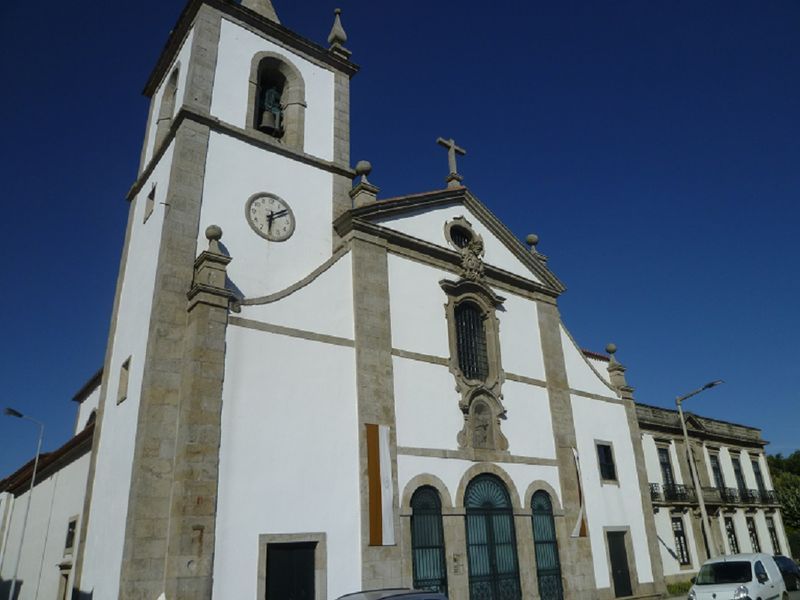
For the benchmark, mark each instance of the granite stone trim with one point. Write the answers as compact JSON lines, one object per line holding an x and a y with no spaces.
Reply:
{"x":258,"y":139}
{"x":474,"y":454}
{"x":342,"y":201}
{"x":293,"y":99}
{"x":419,"y":357}
{"x":598,"y":442}
{"x":87,"y":500}
{"x":492,"y":469}
{"x":202,"y":66}
{"x":526,"y":380}
{"x":291,"y":332}
{"x":382,"y":566}
{"x":435,"y":254}
{"x":597,"y":397}
{"x":608,"y":593}
{"x":145,"y":556}
{"x":320,"y":559}
{"x":253,"y":22}
{"x":422,"y":480}
{"x":576,"y":554}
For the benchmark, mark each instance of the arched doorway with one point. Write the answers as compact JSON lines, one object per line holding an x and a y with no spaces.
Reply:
{"x":548,"y":566}
{"x":491,"y":541}
{"x":427,"y":541}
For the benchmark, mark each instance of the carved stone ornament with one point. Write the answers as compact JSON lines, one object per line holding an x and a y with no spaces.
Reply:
{"x":481,"y":395}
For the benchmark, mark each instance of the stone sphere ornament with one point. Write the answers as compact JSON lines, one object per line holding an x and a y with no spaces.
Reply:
{"x":611,"y":348}
{"x":213,"y":233}
{"x":363,"y":168}
{"x":532,"y":240}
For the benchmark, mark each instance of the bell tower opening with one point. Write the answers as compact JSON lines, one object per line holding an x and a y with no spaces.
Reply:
{"x":277,"y":99}
{"x":269,"y":113}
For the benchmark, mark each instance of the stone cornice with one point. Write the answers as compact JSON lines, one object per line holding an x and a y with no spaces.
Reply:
{"x":259,"y":140}
{"x":452,"y":196}
{"x":345,"y":226}
{"x":254,"y":20}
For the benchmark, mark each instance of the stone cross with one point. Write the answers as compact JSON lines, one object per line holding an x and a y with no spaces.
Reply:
{"x":453,"y":179}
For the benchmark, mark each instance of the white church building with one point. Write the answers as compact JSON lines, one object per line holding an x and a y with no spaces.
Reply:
{"x":310,"y":391}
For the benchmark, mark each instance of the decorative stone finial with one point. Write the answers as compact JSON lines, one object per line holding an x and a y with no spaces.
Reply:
{"x":262,"y":7}
{"x":364,"y":192}
{"x":363,"y":169}
{"x":611,"y":349}
{"x":214,"y":235}
{"x":532,"y":240}
{"x":337,"y":37}
{"x":616,"y":373}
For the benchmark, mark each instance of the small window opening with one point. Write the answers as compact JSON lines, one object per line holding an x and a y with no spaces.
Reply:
{"x":151,"y":203}
{"x":605,"y":456}
{"x":681,"y":545}
{"x":460,"y":236}
{"x":69,"y":544}
{"x":124,"y":373}
{"x":270,"y":113}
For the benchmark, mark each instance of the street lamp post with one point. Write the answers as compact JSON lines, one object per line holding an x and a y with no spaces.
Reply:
{"x":712,"y":547}
{"x":15,"y":413}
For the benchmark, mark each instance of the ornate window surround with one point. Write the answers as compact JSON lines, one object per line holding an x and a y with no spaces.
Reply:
{"x":481,"y":399}
{"x":293,"y":99}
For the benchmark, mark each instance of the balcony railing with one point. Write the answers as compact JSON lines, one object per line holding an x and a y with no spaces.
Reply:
{"x":677,"y":493}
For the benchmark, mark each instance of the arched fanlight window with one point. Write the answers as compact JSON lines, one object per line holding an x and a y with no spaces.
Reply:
{"x":548,"y":566}
{"x":491,"y":541}
{"x":427,"y":541}
{"x":471,"y":341}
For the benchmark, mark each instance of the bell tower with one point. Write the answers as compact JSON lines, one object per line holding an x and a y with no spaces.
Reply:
{"x":247,"y":137}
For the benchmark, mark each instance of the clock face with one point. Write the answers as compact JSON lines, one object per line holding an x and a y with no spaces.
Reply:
{"x":270,"y":217}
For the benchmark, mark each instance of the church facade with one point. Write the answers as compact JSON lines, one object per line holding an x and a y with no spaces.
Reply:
{"x":308,"y":391}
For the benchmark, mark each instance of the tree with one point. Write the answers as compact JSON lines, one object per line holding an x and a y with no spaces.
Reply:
{"x":786,"y":478}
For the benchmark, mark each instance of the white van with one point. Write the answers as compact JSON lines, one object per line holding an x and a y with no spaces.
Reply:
{"x":739,"y":577}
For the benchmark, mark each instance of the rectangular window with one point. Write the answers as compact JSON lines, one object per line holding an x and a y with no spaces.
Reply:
{"x":681,"y":546}
{"x":716,"y":470}
{"x":124,"y":373}
{"x":605,"y":456}
{"x":737,"y":471}
{"x":730,"y":531}
{"x":666,"y":467}
{"x":290,"y":571}
{"x":150,"y":203}
{"x":751,"y":529}
{"x":69,"y":544}
{"x":759,"y":476}
{"x":773,"y":536}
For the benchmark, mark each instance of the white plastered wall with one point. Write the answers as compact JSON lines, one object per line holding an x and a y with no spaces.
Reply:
{"x":651,"y":463}
{"x":234,"y":172}
{"x":112,"y":477}
{"x":610,"y":505}
{"x":667,"y":545}
{"x":581,"y":375}
{"x":181,"y":61}
{"x":56,"y":499}
{"x":428,"y":225}
{"x":237,"y":47}
{"x":289,"y":456}
{"x":726,"y":464}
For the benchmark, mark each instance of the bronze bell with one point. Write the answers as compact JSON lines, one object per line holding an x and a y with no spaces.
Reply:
{"x":269,"y":122}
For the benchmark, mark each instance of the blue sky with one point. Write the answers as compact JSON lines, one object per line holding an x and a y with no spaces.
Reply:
{"x":653,"y":146}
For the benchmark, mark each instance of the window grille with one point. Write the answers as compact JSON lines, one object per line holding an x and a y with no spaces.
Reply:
{"x":751,"y":529}
{"x":666,"y":467}
{"x":471,"y":341}
{"x":730,"y":530}
{"x":427,"y":541}
{"x":491,"y":541}
{"x":759,"y":476}
{"x":737,"y":471}
{"x":773,"y":536}
{"x":608,"y":471}
{"x":548,"y":566}
{"x":460,"y":236}
{"x":681,"y":546}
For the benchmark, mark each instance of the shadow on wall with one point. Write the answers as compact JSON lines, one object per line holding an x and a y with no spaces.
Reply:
{"x":5,"y":588}
{"x":672,"y":552}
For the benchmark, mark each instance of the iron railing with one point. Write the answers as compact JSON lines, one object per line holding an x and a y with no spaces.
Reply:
{"x":677,"y":493}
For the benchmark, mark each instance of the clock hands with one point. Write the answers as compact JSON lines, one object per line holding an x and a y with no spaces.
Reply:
{"x":275,"y":215}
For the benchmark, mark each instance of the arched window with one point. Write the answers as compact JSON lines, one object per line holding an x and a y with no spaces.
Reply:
{"x":491,"y":541}
{"x":427,"y":541}
{"x":548,"y":566}
{"x":277,"y":99}
{"x":471,"y":341}
{"x":167,"y":109}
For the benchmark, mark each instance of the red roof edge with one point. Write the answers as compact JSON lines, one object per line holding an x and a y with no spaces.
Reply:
{"x":596,"y":355}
